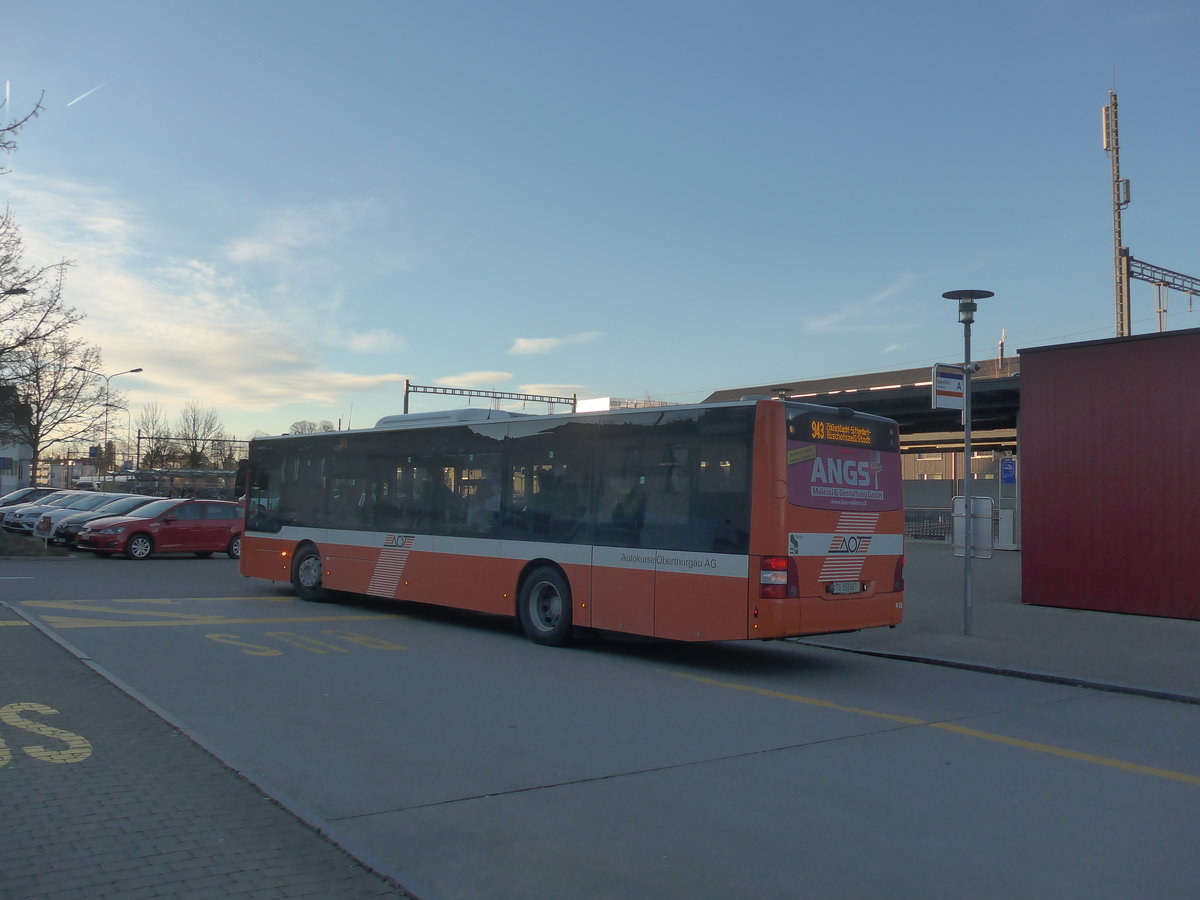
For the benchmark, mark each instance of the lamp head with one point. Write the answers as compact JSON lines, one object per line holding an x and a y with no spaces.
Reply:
{"x":966,"y":303}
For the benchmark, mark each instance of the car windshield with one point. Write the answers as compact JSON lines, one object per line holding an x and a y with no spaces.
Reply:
{"x":93,"y":502}
{"x":150,"y":510}
{"x":122,"y":505}
{"x":64,"y":500}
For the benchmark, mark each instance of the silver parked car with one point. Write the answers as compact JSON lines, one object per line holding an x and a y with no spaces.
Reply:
{"x":21,"y":518}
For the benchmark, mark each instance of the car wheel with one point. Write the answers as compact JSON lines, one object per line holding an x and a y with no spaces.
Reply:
{"x":235,"y":547}
{"x":139,"y":546}
{"x":544,"y":607}
{"x":306,"y":575}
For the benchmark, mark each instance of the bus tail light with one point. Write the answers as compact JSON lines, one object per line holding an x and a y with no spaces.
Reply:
{"x":777,"y":578}
{"x":898,"y":578}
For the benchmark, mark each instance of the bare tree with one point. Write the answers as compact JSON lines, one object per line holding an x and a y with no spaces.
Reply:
{"x":200,"y":435}
{"x":304,"y":426}
{"x":155,"y":446}
{"x":61,"y":405}
{"x":8,"y":133}
{"x":31,"y":297}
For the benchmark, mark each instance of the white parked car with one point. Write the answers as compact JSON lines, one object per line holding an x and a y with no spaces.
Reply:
{"x":21,"y":518}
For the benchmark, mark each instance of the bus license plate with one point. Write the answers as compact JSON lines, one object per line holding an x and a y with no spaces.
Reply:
{"x":845,"y":587}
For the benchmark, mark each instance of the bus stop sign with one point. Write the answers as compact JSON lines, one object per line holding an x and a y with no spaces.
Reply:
{"x":947,"y":386}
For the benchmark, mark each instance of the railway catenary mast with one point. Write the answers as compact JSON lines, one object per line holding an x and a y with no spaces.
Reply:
{"x":1120,"y":199}
{"x":1125,"y":267}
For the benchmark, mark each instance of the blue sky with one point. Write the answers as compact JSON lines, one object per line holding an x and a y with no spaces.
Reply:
{"x":281,"y":210}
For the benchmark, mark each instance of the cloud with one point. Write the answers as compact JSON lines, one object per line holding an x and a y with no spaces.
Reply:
{"x":531,"y":346}
{"x":282,"y":234}
{"x":554,"y":390}
{"x":474,"y":379}
{"x":380,"y":340}
{"x":202,"y":329}
{"x":874,"y":313}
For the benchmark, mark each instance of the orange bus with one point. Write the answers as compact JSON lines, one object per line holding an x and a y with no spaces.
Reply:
{"x":721,"y":521}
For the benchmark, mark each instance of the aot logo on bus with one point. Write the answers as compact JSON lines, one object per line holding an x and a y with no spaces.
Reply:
{"x":851,"y":543}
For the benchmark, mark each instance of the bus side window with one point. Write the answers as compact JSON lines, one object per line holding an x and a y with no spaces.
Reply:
{"x":668,"y":518}
{"x":621,"y":491}
{"x":474,"y":482}
{"x":721,"y":503}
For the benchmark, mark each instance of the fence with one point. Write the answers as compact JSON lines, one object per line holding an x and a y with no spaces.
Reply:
{"x":928,"y":524}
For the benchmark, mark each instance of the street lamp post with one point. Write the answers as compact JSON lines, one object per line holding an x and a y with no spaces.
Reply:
{"x":966,"y":314}
{"x":107,"y":380}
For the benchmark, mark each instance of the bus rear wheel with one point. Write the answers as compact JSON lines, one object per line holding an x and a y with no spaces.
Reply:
{"x":544,"y":607}
{"x":306,"y":575}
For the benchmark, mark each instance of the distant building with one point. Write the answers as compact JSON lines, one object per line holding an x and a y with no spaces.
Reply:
{"x":604,"y":404}
{"x":15,"y":458}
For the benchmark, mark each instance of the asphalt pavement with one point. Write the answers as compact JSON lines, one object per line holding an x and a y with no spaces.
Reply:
{"x":1145,"y":655}
{"x":103,"y":797}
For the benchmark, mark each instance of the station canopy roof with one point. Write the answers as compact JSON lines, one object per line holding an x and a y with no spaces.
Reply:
{"x":906,"y":396}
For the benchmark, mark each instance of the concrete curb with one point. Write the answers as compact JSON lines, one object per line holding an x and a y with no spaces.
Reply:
{"x":1009,"y":671}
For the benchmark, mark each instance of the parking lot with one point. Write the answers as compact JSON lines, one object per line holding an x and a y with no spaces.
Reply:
{"x":445,"y":751}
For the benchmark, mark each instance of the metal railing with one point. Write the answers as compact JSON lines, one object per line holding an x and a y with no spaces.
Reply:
{"x":928,"y":524}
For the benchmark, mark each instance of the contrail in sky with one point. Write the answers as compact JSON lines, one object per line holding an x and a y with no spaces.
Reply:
{"x":88,"y":94}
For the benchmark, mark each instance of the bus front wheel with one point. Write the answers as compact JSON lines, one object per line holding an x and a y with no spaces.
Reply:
{"x":544,"y":607}
{"x":306,"y":575}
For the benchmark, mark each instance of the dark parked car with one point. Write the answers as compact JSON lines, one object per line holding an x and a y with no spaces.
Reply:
{"x":203,"y":527}
{"x":85,"y":502}
{"x":67,"y":529}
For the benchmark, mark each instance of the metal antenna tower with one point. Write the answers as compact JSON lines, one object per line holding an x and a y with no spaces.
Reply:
{"x":1125,"y":267}
{"x":1120,"y":199}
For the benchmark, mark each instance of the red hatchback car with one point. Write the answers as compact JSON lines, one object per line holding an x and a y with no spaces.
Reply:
{"x":203,"y":527}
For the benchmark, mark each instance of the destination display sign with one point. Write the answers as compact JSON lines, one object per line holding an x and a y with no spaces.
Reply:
{"x":863,"y":433}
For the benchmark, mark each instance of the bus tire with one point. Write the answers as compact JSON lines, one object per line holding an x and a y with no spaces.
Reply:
{"x":544,"y":607}
{"x":306,"y":575}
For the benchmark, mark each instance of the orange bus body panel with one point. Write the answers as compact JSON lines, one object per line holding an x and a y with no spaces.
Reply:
{"x":842,"y":544}
{"x":623,"y":599}
{"x":699,"y":607}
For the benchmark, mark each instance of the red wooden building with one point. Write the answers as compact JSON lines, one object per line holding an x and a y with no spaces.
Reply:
{"x":1110,"y":474}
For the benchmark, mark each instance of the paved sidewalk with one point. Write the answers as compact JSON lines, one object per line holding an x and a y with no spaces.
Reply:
{"x":1139,"y":654}
{"x":101,"y":798}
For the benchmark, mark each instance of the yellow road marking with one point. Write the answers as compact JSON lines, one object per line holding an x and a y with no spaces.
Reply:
{"x":88,"y":607}
{"x":796,"y":698}
{"x":13,"y":623}
{"x":80,"y":622}
{"x":169,"y":601}
{"x":1033,"y":746}
{"x":1077,"y":755}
